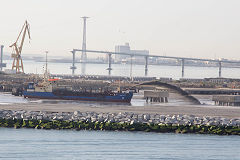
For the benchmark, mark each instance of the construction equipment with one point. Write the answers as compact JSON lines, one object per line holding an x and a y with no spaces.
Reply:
{"x":17,"y":61}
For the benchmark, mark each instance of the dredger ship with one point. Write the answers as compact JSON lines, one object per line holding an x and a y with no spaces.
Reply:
{"x":49,"y":90}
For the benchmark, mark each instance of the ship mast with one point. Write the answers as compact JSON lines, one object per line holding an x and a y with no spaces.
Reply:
{"x":46,"y":76}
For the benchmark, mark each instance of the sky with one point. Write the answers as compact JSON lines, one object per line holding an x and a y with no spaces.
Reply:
{"x":186,"y":28}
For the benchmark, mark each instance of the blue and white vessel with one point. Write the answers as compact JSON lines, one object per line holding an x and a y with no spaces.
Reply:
{"x":49,"y":90}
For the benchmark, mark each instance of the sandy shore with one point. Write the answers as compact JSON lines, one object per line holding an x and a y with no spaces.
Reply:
{"x":197,"y":110}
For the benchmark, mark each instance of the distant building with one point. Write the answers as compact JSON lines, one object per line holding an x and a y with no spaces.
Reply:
{"x":122,"y":48}
{"x":126,"y":49}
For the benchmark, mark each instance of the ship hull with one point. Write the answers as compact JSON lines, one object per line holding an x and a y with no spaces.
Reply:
{"x":119,"y":97}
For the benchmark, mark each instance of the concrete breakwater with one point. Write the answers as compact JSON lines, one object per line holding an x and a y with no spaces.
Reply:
{"x":120,"y":121}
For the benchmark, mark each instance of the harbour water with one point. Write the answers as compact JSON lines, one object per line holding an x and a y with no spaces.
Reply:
{"x":137,"y":100}
{"x":70,"y":144}
{"x":124,"y":70}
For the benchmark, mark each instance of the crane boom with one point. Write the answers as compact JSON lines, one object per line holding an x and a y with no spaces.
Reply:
{"x":16,"y":55}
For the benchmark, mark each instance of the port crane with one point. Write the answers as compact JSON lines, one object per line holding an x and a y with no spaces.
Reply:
{"x":16,"y":55}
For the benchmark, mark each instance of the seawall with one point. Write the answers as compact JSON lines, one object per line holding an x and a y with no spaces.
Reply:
{"x":120,"y":121}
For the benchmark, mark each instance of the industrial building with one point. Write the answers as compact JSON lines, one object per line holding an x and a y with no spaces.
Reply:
{"x":126,"y":49}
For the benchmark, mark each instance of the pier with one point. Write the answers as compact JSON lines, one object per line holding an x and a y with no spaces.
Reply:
{"x":211,"y":91}
{"x":156,"y":96}
{"x":227,"y":100}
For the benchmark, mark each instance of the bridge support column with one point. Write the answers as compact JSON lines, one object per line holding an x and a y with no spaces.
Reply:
{"x":73,"y":63}
{"x":131,"y":68}
{"x":220,"y":69}
{"x":146,"y":65}
{"x":109,"y":64}
{"x":183,"y":60}
{"x":1,"y":57}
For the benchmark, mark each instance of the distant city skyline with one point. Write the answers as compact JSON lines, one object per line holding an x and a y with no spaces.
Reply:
{"x":202,"y":29}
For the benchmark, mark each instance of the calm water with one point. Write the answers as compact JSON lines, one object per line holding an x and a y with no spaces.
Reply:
{"x":52,"y":144}
{"x":124,"y":70}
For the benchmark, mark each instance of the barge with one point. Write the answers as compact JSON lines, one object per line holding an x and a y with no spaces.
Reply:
{"x":50,"y":90}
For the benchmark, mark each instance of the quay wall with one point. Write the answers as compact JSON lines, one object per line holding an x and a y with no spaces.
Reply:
{"x":175,"y":88}
{"x":120,"y":121}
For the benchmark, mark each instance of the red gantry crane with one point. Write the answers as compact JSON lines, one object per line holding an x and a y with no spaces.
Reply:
{"x":17,"y":61}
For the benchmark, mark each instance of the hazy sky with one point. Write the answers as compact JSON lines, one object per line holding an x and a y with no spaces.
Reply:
{"x":189,"y":28}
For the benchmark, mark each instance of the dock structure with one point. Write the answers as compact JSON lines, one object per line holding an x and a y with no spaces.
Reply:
{"x":226,"y":100}
{"x":210,"y":91}
{"x":156,"y":95}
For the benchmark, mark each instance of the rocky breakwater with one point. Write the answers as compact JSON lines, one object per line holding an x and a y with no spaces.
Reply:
{"x":126,"y":121}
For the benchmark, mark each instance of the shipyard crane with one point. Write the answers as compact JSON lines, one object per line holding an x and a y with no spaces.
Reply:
{"x":16,"y":55}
